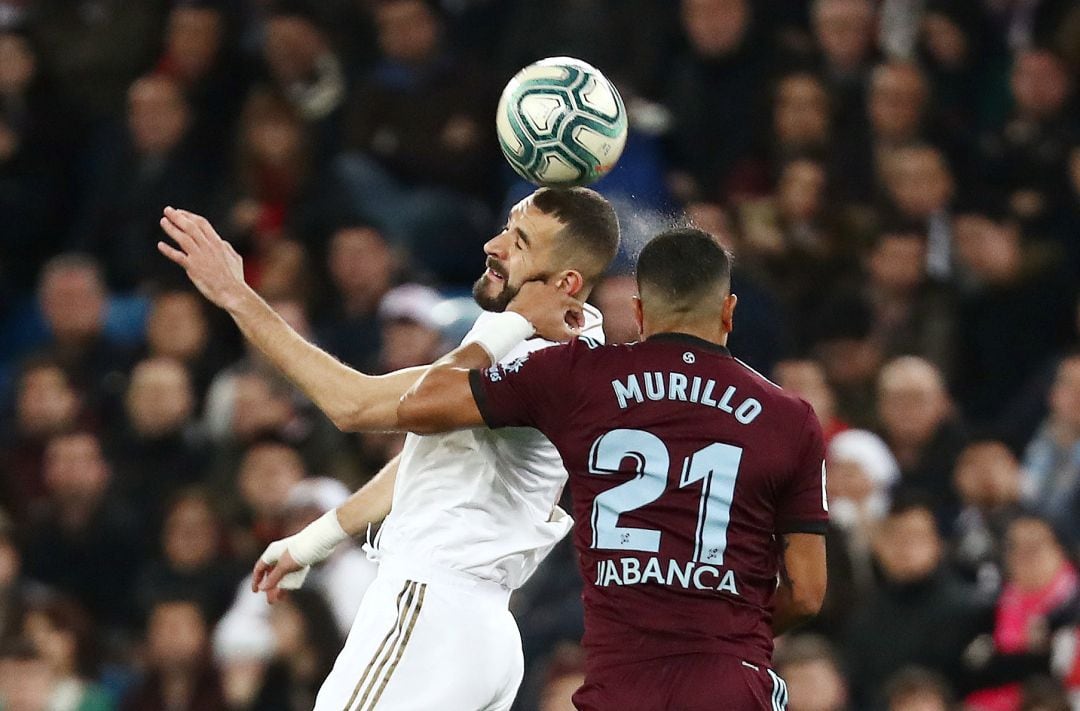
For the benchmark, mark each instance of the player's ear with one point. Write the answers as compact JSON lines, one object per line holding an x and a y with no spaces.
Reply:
{"x":727,"y":312}
{"x":569,"y":282}
{"x":639,"y":316}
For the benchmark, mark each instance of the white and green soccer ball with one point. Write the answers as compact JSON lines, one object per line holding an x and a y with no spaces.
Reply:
{"x":561,"y":123}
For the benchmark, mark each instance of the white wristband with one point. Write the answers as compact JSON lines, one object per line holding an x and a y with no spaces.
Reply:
{"x":318,"y":540}
{"x":499,"y":334}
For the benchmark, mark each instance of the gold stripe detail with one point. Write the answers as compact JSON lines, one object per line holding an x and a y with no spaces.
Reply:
{"x":401,"y":648}
{"x":397,"y":625}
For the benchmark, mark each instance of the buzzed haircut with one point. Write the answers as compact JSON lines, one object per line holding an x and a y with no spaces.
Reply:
{"x":591,"y":226}
{"x":681,"y":266}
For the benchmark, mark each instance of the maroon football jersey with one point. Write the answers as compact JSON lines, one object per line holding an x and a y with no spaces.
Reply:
{"x":685,"y":465}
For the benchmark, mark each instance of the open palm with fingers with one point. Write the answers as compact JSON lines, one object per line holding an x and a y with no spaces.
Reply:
{"x":211,"y":263}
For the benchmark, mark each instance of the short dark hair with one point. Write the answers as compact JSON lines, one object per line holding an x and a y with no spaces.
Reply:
{"x":683,"y":264}
{"x":592,"y":227}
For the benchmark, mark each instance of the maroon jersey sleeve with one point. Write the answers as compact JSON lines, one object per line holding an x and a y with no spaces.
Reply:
{"x":526,"y":392}
{"x":802,"y":506}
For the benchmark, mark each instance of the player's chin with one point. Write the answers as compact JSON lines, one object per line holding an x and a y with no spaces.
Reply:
{"x":492,"y":295}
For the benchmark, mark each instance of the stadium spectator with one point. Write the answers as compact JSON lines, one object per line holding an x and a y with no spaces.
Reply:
{"x":1052,"y":458}
{"x":862,"y":472}
{"x":64,"y":636}
{"x":920,"y":187}
{"x":409,"y":333}
{"x":26,"y":682}
{"x":268,"y":470}
{"x":919,"y":615}
{"x":921,"y":427}
{"x":362,"y":267}
{"x":1040,"y":583}
{"x":45,"y":405}
{"x":147,"y":163}
{"x":806,"y":378}
{"x":1025,"y":160}
{"x":844,"y":34}
{"x":306,"y":643}
{"x":179,"y":676}
{"x":418,"y":157}
{"x":35,"y":143}
{"x":1012,"y":279}
{"x":839,"y":335}
{"x":82,"y":542}
{"x":14,"y":588}
{"x":987,"y":479}
{"x":614,"y":297}
{"x":815,"y":681}
{"x":192,"y":559}
{"x":177,"y":328}
{"x":712,"y":90}
{"x":917,"y":689}
{"x":157,"y":449}
{"x":73,"y":301}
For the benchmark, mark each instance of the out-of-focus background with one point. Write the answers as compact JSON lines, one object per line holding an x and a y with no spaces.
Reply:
{"x":899,"y":181}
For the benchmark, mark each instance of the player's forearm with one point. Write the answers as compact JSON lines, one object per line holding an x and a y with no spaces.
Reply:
{"x":352,"y":400}
{"x":371,"y":503}
{"x":788,"y":611}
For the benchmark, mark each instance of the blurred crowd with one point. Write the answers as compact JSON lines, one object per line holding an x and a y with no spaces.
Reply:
{"x":899,"y":181}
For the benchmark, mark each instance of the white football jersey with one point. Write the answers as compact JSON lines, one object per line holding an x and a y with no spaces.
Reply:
{"x":481,"y":501}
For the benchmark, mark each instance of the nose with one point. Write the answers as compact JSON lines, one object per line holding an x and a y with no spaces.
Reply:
{"x":497,"y":246}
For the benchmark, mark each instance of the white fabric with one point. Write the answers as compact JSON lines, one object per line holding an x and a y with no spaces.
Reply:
{"x":427,"y":641}
{"x":481,"y":501}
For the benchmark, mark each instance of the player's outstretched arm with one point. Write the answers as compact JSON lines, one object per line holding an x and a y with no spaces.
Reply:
{"x":442,"y":400}
{"x":352,"y":400}
{"x":802,"y":581}
{"x":285,"y":563}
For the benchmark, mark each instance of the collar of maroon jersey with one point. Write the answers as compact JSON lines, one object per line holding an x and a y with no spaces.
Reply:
{"x":691,"y":341}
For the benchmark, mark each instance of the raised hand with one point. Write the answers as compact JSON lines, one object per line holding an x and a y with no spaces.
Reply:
{"x":276,"y":571}
{"x":554,"y":314}
{"x":211,"y":263}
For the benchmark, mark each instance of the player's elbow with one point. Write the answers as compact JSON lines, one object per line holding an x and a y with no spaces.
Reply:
{"x":417,"y":411}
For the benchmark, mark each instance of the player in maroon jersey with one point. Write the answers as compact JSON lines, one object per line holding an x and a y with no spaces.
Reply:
{"x":697,"y":486}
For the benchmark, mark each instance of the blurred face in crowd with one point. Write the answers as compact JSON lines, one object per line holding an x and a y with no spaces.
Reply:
{"x":193,"y":39}
{"x":524,"y":250}
{"x":177,"y":326}
{"x":25,"y":684}
{"x":46,"y":402}
{"x":989,"y":250}
{"x":1040,"y":84}
{"x":927,"y":700}
{"x":897,"y":264}
{"x":848,"y":362}
{"x":945,"y":41}
{"x":912,"y":402}
{"x":897,"y":99}
{"x":614,"y":296}
{"x":408,"y":30}
{"x":806,"y":378}
{"x":258,"y":407}
{"x":361,"y":265}
{"x":57,"y":645}
{"x":75,"y":469}
{"x":848,"y":481}
{"x":272,"y":134}
{"x":715,"y":220}
{"x":176,"y":636}
{"x":158,"y":115}
{"x":191,"y":534}
{"x":801,"y":113}
{"x":1065,"y":398}
{"x":407,"y":343}
{"x":73,"y":300}
{"x":267,"y":473}
{"x":17,"y":64}
{"x":292,"y":47}
{"x":1032,"y":554}
{"x":815,"y":685}
{"x":160,"y":399}
{"x":801,"y":191}
{"x":987,"y":476}
{"x":715,"y":27}
{"x":907,"y":546}
{"x":845,"y":31}
{"x":918,"y":181}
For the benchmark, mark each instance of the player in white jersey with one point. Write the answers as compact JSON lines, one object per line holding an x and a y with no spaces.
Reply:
{"x":472,"y":513}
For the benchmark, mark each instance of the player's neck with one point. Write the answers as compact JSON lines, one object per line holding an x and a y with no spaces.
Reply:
{"x":713,"y":332}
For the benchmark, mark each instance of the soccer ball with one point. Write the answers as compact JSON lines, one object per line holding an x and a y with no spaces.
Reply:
{"x":561,"y":123}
